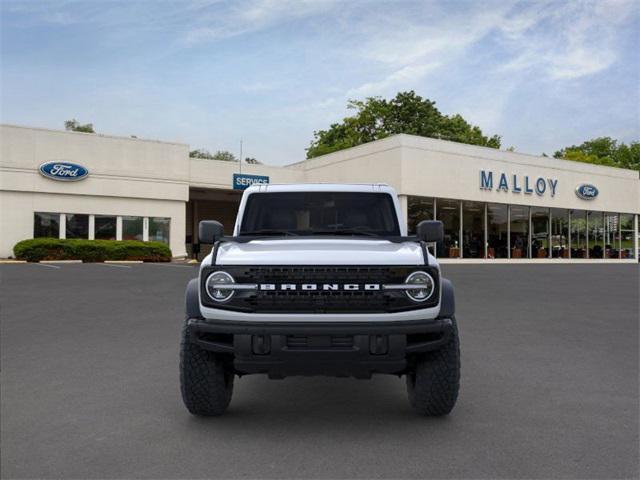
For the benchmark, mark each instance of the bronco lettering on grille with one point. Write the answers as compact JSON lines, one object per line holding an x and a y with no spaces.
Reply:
{"x":320,"y":286}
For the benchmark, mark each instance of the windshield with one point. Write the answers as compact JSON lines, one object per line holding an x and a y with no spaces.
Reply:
{"x":320,"y":213}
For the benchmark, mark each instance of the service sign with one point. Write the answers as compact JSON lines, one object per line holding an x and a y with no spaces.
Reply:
{"x":63,"y":171}
{"x":242,"y":181}
{"x":586,"y":191}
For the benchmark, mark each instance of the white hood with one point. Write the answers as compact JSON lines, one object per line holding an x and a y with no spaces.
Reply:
{"x":328,"y":251}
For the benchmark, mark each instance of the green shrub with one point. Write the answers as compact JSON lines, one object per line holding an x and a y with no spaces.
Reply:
{"x":37,"y":249}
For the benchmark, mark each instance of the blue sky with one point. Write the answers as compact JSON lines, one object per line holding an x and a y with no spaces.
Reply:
{"x":542,"y":74}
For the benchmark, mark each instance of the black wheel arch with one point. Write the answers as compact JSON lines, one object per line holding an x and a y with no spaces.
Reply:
{"x":192,"y":301}
{"x":448,"y":301}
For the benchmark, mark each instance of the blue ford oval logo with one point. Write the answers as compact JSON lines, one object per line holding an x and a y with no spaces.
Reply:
{"x":64,"y":171}
{"x":586,"y":191}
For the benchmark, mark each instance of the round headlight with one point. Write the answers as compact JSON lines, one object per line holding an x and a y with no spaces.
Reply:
{"x":215,"y":286}
{"x":422,"y":286}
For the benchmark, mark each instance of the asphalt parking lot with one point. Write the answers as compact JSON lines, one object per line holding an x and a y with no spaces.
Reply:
{"x":89,"y":379}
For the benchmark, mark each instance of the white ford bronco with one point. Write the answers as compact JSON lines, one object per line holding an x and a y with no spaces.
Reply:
{"x":319,"y":280}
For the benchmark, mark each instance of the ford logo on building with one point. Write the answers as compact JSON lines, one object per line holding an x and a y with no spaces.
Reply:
{"x":586,"y":191}
{"x":64,"y":171}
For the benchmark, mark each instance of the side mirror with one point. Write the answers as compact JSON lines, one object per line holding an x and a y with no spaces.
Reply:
{"x":210,"y":231}
{"x":430,"y":231}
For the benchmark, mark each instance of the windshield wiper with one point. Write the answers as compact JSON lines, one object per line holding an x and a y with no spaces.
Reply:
{"x":345,"y":231}
{"x":269,"y":231}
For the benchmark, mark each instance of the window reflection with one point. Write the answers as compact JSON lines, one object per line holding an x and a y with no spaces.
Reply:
{"x":418,"y":209}
{"x":46,"y":225}
{"x":626,"y":236}
{"x":473,"y":230}
{"x":159,"y":229}
{"x":448,"y":212}
{"x":611,"y":235}
{"x":596,"y":235}
{"x":578,"y":234}
{"x":559,"y":233}
{"x":105,"y":227}
{"x":132,"y":228}
{"x":77,"y":226}
{"x":519,"y":231}
{"x":539,"y":232}
{"x":497,"y":228}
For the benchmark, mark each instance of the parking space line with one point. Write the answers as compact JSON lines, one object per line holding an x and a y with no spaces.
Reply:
{"x":113,"y":265}
{"x":46,"y":265}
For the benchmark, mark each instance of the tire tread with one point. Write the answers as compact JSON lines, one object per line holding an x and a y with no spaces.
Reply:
{"x":433,"y":386}
{"x":206,"y":386}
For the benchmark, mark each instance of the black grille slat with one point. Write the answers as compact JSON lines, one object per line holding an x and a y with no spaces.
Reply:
{"x":310,"y":342}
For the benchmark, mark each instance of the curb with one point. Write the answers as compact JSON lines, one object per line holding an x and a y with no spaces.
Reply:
{"x":536,"y":261}
{"x":123,"y":261}
{"x":8,"y":262}
{"x":60,"y":261}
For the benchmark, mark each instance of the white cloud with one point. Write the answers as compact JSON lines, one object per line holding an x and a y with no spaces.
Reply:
{"x":564,"y":41}
{"x":251,"y":16}
{"x":405,"y":77}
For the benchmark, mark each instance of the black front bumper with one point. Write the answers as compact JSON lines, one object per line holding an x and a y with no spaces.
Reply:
{"x":281,"y":349}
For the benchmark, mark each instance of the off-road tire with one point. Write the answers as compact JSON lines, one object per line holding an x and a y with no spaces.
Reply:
{"x":205,"y":383}
{"x":434,"y":382}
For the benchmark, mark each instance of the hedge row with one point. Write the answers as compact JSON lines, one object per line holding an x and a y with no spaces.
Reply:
{"x":37,"y":249}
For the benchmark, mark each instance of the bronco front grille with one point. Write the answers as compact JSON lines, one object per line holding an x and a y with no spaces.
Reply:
{"x":319,"y":301}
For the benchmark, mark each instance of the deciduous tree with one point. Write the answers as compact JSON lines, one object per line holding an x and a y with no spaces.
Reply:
{"x":74,"y":126}
{"x":377,"y":118}
{"x":604,"y":151}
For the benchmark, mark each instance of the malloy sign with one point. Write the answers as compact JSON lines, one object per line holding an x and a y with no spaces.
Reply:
{"x":514,"y":183}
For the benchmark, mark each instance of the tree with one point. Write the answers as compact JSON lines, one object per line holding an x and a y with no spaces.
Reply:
{"x":377,"y":118}
{"x":75,"y":126}
{"x":604,"y":151}
{"x":201,"y":153}
{"x":225,"y":155}
{"x":252,"y":161}
{"x":219,"y":155}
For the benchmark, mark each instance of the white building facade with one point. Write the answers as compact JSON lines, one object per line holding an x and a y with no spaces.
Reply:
{"x":496,"y":206}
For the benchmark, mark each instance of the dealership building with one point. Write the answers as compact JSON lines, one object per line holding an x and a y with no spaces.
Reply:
{"x":496,"y":206}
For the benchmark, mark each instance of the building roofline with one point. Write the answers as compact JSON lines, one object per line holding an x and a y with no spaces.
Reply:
{"x":476,"y":151}
{"x":118,"y":137}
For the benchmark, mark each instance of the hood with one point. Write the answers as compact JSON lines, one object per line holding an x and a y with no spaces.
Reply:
{"x":319,"y":252}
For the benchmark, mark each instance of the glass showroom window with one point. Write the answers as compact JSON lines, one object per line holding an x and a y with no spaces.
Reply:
{"x":578,"y":234}
{"x":46,"y":225}
{"x":626,"y":237}
{"x":418,"y":209}
{"x":132,"y":228}
{"x":611,"y":235}
{"x":497,"y":230}
{"x":559,"y":233}
{"x":519,"y":231}
{"x":596,"y":234}
{"x":539,"y":232}
{"x":159,"y":229}
{"x":77,"y":226}
{"x":448,"y":212}
{"x":105,"y":227}
{"x":473,"y":230}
